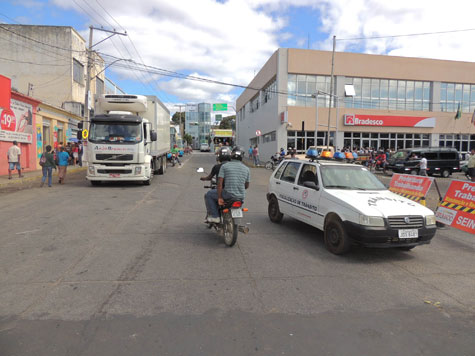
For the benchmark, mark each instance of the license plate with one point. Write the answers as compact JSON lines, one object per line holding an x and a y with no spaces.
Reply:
{"x":114,"y":175}
{"x":408,"y":234}
{"x":236,"y":213}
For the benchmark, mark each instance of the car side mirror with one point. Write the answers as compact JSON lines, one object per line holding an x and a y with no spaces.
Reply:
{"x":311,"y":185}
{"x":153,"y":136}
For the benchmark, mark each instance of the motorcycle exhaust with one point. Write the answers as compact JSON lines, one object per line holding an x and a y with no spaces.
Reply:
{"x":243,"y":229}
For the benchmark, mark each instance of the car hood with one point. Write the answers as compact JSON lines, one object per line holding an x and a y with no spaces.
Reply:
{"x":377,"y":202}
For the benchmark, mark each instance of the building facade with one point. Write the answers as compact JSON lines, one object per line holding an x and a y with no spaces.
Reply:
{"x":50,"y":64}
{"x":198,"y":123}
{"x":374,"y":101}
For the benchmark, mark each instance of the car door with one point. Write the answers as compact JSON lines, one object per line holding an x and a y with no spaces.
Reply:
{"x":308,"y":197}
{"x":286,"y":187}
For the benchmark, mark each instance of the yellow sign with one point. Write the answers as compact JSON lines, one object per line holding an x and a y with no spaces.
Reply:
{"x":223,"y":133}
{"x":85,"y":134}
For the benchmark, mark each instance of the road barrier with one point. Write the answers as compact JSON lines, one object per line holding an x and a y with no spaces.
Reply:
{"x":411,"y":186}
{"x":457,"y":209}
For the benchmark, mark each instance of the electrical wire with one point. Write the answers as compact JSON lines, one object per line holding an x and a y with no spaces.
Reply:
{"x":34,"y":63}
{"x":406,"y":35}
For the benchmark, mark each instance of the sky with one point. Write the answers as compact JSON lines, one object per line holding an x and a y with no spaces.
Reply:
{"x":230,"y":40}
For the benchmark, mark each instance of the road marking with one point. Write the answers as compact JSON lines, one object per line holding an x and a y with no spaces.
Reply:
{"x":27,"y":232}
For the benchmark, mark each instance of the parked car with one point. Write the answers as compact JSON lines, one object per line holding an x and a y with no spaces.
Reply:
{"x":204,"y":147}
{"x":349,"y":204}
{"x":443,"y":161}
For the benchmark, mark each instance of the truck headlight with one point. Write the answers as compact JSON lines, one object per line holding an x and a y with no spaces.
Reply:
{"x":91,"y":170}
{"x":430,"y":220}
{"x":371,"y":220}
{"x":138,"y":170}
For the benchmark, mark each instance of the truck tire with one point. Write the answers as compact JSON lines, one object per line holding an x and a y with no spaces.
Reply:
{"x":445,"y":173}
{"x":336,"y":239}
{"x":163,"y":165}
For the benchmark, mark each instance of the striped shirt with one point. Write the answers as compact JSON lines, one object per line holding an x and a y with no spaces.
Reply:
{"x":235,"y":175}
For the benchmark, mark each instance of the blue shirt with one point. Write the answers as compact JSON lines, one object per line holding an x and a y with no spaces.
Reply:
{"x":63,"y":158}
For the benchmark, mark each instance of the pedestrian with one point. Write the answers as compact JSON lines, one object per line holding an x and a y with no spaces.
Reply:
{"x":63,"y":160}
{"x":250,"y":152}
{"x":75,"y":150}
{"x":471,"y":165}
{"x":423,"y":165}
{"x":80,"y":152}
{"x":255,"y":155}
{"x":48,"y":166}
{"x":13,"y":155}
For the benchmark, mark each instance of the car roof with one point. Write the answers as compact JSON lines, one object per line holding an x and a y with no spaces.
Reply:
{"x":322,"y":162}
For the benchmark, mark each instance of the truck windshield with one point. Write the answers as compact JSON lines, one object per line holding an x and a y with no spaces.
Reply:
{"x":115,"y":133}
{"x":350,"y":177}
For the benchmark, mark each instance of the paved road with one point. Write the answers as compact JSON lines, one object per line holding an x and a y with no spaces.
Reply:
{"x":131,"y":270}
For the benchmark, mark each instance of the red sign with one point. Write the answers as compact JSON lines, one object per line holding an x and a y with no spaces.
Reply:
{"x":458,"y":207}
{"x":417,"y":186}
{"x":8,"y":120}
{"x":258,"y":133}
{"x":385,"y":120}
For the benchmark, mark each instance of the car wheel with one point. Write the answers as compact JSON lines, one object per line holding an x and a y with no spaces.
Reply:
{"x":445,"y":173}
{"x":414,"y":172}
{"x":273,"y":210}
{"x":336,"y":238}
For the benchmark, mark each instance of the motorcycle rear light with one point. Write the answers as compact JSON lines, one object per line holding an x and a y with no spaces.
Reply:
{"x":225,"y":210}
{"x":236,"y":204}
{"x":245,"y":209}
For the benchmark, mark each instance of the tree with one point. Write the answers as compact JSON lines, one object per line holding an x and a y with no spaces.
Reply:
{"x":176,"y":118}
{"x":228,"y":122}
{"x":188,"y":139}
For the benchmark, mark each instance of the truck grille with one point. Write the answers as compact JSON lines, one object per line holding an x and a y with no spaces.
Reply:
{"x":114,"y":157}
{"x":398,"y":222}
{"x":114,"y":171}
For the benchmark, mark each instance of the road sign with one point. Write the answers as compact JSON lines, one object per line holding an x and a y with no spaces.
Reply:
{"x":258,"y":133}
{"x":218,"y":117}
{"x":220,"y":107}
{"x":85,"y":134}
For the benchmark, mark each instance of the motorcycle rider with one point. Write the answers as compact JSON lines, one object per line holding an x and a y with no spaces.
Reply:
{"x":224,"y":155}
{"x":237,"y":177}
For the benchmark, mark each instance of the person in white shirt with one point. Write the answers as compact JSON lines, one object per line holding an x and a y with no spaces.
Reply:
{"x":13,"y":155}
{"x":423,"y":165}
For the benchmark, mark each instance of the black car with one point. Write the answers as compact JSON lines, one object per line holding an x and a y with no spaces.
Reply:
{"x":441,"y":161}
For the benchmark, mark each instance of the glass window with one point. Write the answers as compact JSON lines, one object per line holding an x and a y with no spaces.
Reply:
{"x":290,"y":172}
{"x":78,"y":72}
{"x":279,"y":170}
{"x":308,"y":174}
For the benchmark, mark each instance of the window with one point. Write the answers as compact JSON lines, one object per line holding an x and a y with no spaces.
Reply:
{"x":431,"y":155}
{"x":308,"y":174}
{"x":452,"y":94}
{"x":279,"y":171}
{"x":290,"y":172}
{"x":78,"y":72}
{"x":302,"y":88}
{"x":99,"y":86}
{"x":448,"y":155}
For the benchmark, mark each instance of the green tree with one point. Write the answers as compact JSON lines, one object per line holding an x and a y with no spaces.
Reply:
{"x":228,"y":122}
{"x":188,"y":139}
{"x":176,"y":118}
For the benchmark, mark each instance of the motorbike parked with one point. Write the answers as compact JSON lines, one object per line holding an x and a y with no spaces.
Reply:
{"x":230,"y":215}
{"x":274,"y":161}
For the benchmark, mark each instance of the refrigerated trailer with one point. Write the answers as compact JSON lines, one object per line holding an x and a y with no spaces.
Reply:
{"x":128,"y":139}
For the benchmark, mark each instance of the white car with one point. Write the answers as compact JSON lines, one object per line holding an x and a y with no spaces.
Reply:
{"x":349,"y":204}
{"x":204,"y":147}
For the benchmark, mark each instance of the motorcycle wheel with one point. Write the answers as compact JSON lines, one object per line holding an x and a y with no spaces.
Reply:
{"x":230,"y":230}
{"x":269,"y":165}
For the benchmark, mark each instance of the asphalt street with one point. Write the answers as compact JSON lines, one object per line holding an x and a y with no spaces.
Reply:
{"x":127,"y":269}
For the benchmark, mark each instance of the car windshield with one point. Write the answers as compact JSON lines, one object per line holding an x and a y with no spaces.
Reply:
{"x":400,"y":155}
{"x":115,"y":133}
{"x":351,"y":177}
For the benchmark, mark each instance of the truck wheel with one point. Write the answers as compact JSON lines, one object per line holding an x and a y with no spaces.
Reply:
{"x":445,"y":173}
{"x":273,"y":211}
{"x":163,"y":165}
{"x":336,"y":238}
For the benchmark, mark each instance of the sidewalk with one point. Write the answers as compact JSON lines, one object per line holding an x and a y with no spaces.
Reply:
{"x":31,"y":177}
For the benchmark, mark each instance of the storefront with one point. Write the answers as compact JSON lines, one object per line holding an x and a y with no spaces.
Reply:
{"x":17,"y":120}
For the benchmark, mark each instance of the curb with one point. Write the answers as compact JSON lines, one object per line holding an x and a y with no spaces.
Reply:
{"x":21,"y":181}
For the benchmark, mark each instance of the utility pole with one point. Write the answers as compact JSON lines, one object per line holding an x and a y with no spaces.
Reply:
{"x":182,"y":124}
{"x":90,"y":64}
{"x":331,"y":92}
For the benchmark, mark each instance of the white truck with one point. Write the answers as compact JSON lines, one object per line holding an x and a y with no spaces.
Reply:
{"x":128,"y":139}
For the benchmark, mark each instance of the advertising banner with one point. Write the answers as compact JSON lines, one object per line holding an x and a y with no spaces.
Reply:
{"x":458,"y":207}
{"x":411,"y":186}
{"x":16,"y":123}
{"x":39,"y":140}
{"x":387,"y":120}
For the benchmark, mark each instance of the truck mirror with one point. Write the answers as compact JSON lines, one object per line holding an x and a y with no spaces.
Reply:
{"x":153,"y":136}
{"x":80,"y":125}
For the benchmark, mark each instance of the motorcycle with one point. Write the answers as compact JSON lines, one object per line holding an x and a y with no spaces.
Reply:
{"x":230,"y":215}
{"x":274,"y":161}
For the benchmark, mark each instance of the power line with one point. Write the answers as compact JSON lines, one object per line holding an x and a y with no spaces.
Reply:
{"x":107,"y":12}
{"x":34,"y":63}
{"x":9,"y":18}
{"x":406,"y":35}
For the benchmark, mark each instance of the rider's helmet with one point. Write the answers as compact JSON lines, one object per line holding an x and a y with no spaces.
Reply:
{"x":224,"y":154}
{"x":237,"y":153}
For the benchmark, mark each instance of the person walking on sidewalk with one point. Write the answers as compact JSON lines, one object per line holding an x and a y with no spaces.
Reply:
{"x":471,"y":165}
{"x":14,"y":154}
{"x":48,"y":166}
{"x":255,"y":155}
{"x":63,"y":160}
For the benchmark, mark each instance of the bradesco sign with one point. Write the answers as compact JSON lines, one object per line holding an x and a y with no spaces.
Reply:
{"x":385,"y":120}
{"x":410,"y":186}
{"x":458,"y":207}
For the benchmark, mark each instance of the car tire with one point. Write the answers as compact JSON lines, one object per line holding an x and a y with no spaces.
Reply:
{"x":414,"y":172}
{"x":445,"y":173}
{"x":336,"y":239}
{"x":274,"y":212}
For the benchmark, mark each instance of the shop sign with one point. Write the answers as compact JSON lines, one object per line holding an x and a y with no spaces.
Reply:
{"x":410,"y":186}
{"x":223,"y":133}
{"x":16,"y":123}
{"x":386,"y":120}
{"x":458,"y":207}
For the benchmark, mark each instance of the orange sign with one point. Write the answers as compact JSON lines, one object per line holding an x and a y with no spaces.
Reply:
{"x":412,"y":185}
{"x":458,"y":207}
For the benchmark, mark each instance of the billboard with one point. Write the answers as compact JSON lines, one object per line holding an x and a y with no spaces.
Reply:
{"x":387,"y":120}
{"x":411,"y":186}
{"x":16,"y":123}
